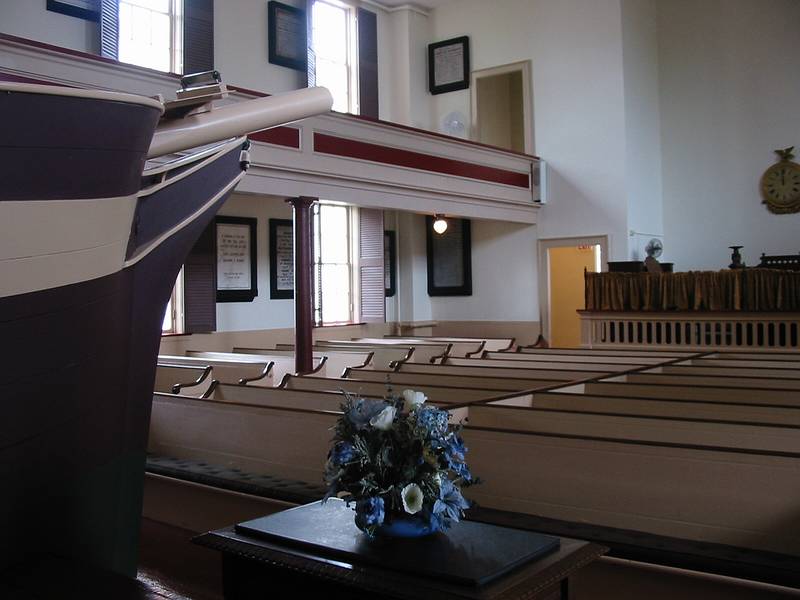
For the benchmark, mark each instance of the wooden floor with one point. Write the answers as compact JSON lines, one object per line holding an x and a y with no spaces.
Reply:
{"x":171,"y":567}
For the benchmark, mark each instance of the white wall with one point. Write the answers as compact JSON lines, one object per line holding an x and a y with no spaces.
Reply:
{"x":30,"y":19}
{"x":642,"y":124}
{"x":730,"y":91}
{"x":575,"y":49}
{"x":240,"y":47}
{"x":504,"y":275}
{"x":261,"y":313}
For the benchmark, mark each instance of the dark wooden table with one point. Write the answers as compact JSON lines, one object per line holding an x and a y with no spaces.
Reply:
{"x":258,"y":567}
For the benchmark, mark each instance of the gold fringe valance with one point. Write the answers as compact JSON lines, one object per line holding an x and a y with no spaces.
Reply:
{"x":751,"y":290}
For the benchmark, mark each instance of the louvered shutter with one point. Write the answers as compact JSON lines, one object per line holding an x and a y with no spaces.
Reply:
{"x":367,"y":63}
{"x":109,"y":29}
{"x":200,"y":284}
{"x":370,"y":264}
{"x":198,"y":36}
{"x":311,"y":62}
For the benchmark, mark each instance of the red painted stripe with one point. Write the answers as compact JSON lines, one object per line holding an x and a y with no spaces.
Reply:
{"x":21,"y":79}
{"x":280,"y":136}
{"x":337,"y":146}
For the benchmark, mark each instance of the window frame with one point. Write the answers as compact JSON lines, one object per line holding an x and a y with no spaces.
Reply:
{"x":351,"y":43}
{"x":175,"y":14}
{"x":177,"y":311}
{"x":352,"y":254}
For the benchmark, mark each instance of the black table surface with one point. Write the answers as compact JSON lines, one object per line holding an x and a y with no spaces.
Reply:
{"x":471,"y":561}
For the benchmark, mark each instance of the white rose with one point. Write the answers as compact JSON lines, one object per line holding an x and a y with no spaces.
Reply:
{"x":383,"y":420}
{"x":413,"y":400}
{"x":412,"y":498}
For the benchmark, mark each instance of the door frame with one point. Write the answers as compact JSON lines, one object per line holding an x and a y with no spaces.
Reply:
{"x":544,"y":244}
{"x":523,"y":67}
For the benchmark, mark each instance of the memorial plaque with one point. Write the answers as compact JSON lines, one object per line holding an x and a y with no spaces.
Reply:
{"x":236,"y":259}
{"x":281,"y":259}
{"x":449,"y":259}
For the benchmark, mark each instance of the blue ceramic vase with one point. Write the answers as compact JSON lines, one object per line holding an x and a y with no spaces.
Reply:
{"x":403,"y":525}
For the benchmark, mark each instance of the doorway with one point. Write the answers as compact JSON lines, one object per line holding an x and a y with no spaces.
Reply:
{"x":501,"y":107}
{"x":562,"y":291}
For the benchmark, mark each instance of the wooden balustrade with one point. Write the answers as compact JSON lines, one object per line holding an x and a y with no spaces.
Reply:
{"x":690,"y":330}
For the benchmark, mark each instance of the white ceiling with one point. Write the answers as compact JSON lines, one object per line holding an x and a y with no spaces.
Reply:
{"x":425,"y":4}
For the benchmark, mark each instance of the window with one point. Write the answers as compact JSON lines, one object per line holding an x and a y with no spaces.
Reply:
{"x":150,"y":34}
{"x":173,"y":316}
{"x":333,"y":40}
{"x":334,"y":237}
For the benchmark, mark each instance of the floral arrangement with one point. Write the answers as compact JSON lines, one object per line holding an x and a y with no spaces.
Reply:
{"x":397,"y":458}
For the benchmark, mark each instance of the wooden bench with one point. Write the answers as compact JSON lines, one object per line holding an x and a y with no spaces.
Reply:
{"x":575,"y":358}
{"x":281,"y":365}
{"x":171,"y":379}
{"x":741,"y":362}
{"x":763,"y":355}
{"x":540,"y":364}
{"x":662,"y":430}
{"x":409,"y":380}
{"x":665,"y":354}
{"x":705,"y":393}
{"x":225,"y":371}
{"x":500,"y":344}
{"x":501,"y":372}
{"x":694,"y":492}
{"x":789,"y":373}
{"x":382,"y":357}
{"x":419,"y":353}
{"x":335,"y":362}
{"x":712,"y":380}
{"x":276,"y":397}
{"x":435,"y":393}
{"x":290,"y":443}
{"x":694,"y":410}
{"x":460,"y":348}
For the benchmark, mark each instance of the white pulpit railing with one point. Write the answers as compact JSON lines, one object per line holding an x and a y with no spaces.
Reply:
{"x":690,"y":330}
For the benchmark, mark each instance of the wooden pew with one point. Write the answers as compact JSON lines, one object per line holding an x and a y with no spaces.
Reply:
{"x":756,"y":438}
{"x":574,"y":358}
{"x":280,"y":367}
{"x":410,"y":380}
{"x":712,"y":380}
{"x":763,"y":355}
{"x":419,"y":353}
{"x":460,"y":348}
{"x":790,"y":373}
{"x":705,"y":393}
{"x":171,"y":379}
{"x":382,"y":357}
{"x":742,"y":362}
{"x":291,"y":443}
{"x":435,"y":393}
{"x":540,"y":364}
{"x":225,"y":371}
{"x":492,"y":344}
{"x":694,"y":410}
{"x":277,"y":397}
{"x":501,"y":372}
{"x":336,"y":362}
{"x":665,"y":354}
{"x":694,"y":492}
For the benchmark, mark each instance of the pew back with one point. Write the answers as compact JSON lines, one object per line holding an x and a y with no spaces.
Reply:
{"x":501,"y":372}
{"x":706,"y":393}
{"x":540,"y":364}
{"x":412,"y":380}
{"x":224,"y":371}
{"x":171,"y":378}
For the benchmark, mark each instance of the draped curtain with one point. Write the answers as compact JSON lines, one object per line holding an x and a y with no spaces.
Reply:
{"x":751,"y":290}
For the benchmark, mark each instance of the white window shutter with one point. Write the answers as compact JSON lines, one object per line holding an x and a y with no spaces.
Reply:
{"x":370,"y":265}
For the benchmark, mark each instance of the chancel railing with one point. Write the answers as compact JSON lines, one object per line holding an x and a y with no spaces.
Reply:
{"x":747,"y":309}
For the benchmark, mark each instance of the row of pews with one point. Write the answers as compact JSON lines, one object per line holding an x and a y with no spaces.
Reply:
{"x":688,"y":457}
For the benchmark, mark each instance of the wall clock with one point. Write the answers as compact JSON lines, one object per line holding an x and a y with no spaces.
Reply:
{"x":780,"y":184}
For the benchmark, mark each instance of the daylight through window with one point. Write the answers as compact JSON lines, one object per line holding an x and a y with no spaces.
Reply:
{"x":334,"y":44}
{"x":150,"y":34}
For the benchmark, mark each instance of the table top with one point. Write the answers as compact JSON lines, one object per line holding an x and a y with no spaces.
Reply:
{"x":523,"y":580}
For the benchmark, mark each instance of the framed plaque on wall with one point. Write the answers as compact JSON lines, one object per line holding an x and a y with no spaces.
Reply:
{"x":236,"y":259}
{"x":281,"y":259}
{"x":287,"y":35}
{"x":448,"y":65}
{"x":449,"y":259}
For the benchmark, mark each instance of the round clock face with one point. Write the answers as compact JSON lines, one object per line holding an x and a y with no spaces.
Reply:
{"x":780,"y":187}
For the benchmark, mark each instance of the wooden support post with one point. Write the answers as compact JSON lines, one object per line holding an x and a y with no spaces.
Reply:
{"x":303,"y":289}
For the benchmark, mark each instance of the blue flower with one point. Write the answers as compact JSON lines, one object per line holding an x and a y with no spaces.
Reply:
{"x":449,"y":506}
{"x":342,"y":453}
{"x":369,"y":512}
{"x":432,"y":420}
{"x":362,"y":411}
{"x":454,"y":453}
